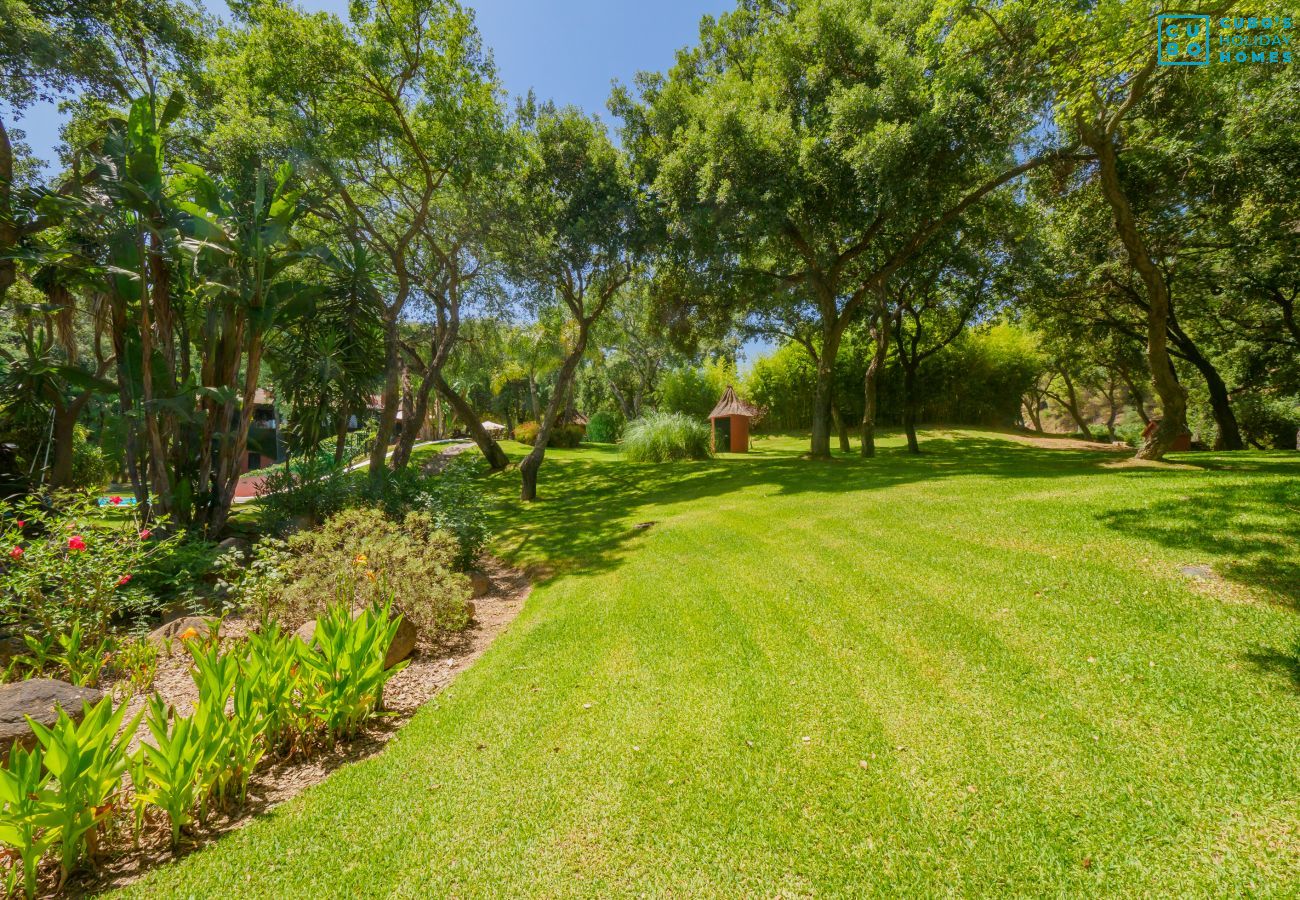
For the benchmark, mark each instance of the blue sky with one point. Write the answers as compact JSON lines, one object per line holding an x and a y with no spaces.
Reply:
{"x":566,"y":50}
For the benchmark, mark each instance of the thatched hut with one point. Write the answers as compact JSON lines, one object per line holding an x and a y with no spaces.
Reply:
{"x":730,"y":423}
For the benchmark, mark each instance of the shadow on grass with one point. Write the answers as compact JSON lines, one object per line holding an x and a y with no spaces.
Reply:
{"x":1267,"y":659}
{"x":1251,"y":530}
{"x":585,"y":519}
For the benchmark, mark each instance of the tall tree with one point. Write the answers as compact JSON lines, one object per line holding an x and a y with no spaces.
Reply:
{"x":803,"y":153}
{"x":577,"y":218}
{"x":398,"y":112}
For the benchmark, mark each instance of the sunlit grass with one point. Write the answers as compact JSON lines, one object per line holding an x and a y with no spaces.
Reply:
{"x":980,"y":671}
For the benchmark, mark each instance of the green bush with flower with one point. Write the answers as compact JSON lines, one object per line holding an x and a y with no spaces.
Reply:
{"x":67,"y":564}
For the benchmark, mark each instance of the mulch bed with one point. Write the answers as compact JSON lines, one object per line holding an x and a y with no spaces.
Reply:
{"x":433,"y":665}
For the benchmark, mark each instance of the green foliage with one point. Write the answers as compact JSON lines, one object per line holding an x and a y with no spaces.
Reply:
{"x":1270,"y":422}
{"x":563,"y":436}
{"x":79,"y":571}
{"x":83,"y":660}
{"x":604,"y":428}
{"x":345,"y":675}
{"x":694,"y":390}
{"x":136,"y":662}
{"x":311,"y":488}
{"x":454,"y":502}
{"x":26,"y":823}
{"x":167,"y":772}
{"x":660,"y":437}
{"x":91,"y":466}
{"x":253,"y":586}
{"x":365,"y":554}
{"x":87,"y":761}
{"x":267,"y":688}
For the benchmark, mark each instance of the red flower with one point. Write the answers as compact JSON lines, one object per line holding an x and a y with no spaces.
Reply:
{"x":144,"y":534}
{"x":116,"y":501}
{"x":21,"y":523}
{"x":76,"y":542}
{"x":16,"y":553}
{"x":122,"y":582}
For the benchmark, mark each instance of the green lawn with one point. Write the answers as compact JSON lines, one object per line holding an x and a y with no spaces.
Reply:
{"x":976,"y":672}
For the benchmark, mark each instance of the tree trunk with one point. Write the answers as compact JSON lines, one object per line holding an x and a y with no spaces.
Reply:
{"x":341,"y":435}
{"x":1139,"y":399}
{"x":8,"y":228}
{"x":1228,"y":436}
{"x":822,"y":418}
{"x":411,"y":430}
{"x":65,"y":425}
{"x":1173,"y":397}
{"x":492,"y":451}
{"x":1071,"y":405}
{"x":909,"y":407}
{"x":871,"y":386}
{"x":233,"y":451}
{"x":532,"y":397}
{"x":533,"y":461}
{"x":392,"y":394}
{"x":843,"y":430}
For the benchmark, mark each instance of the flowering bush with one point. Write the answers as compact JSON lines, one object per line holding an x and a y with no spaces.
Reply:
{"x":362,"y":553}
{"x":67,"y":566}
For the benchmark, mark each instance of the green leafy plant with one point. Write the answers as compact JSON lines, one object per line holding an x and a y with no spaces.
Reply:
{"x":77,"y":571}
{"x":136,"y":661}
{"x":215,"y":674}
{"x":526,"y":432}
{"x":82,"y":660}
{"x":454,"y":504}
{"x":168,"y":769}
{"x":25,"y":820}
{"x":345,"y":676}
{"x":253,"y":586}
{"x":87,"y":761}
{"x":40,"y":653}
{"x":604,"y":428}
{"x":661,"y":437}
{"x":268,"y":687}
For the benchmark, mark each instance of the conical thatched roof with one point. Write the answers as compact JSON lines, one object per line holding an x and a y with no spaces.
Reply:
{"x":731,"y":405}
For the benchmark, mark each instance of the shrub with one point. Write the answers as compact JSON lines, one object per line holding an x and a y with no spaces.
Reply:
{"x":314,"y":486}
{"x":526,"y":432}
{"x":413,"y":560}
{"x":91,"y":467}
{"x":604,"y":428}
{"x":78,"y":572}
{"x":660,"y":437}
{"x":565,"y":437}
{"x":454,"y":502}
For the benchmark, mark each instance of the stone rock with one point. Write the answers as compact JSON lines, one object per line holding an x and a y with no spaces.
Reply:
{"x":403,"y":644}
{"x":234,"y":546}
{"x":40,"y":698}
{"x":479,"y":584}
{"x":171,"y":631}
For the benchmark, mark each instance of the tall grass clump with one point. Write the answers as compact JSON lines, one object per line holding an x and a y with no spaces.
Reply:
{"x":660,"y":437}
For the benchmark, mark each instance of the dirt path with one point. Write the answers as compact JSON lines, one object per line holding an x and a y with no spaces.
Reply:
{"x":1048,"y":442}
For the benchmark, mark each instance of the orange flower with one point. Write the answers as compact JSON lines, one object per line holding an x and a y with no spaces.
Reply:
{"x":188,"y":634}
{"x":370,"y":574}
{"x":359,"y":559}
